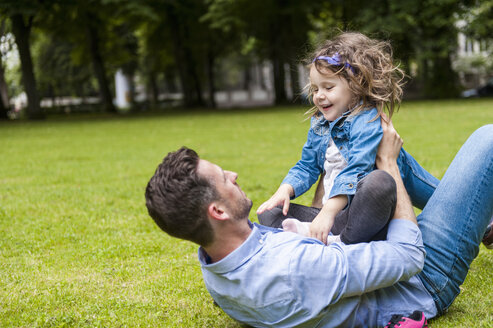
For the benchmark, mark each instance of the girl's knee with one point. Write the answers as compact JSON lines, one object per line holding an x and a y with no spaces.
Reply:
{"x":271,"y":218}
{"x":379,"y":183}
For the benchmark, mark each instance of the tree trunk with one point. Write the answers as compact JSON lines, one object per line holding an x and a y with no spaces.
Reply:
{"x":170,"y":81}
{"x":443,"y":80}
{"x":21,"y":33}
{"x":152,"y":90}
{"x":210,"y":79}
{"x":4,"y":98}
{"x":279,"y":90}
{"x":184,"y":62}
{"x":98,"y":66}
{"x":295,"y":81}
{"x":192,"y":71}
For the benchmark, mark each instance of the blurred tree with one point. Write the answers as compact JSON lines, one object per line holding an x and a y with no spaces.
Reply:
{"x":280,"y":28}
{"x":187,"y":36}
{"x":480,"y":20}
{"x":421,"y":31}
{"x":58,"y":73}
{"x":154,"y":56}
{"x":90,"y":16}
{"x":4,"y":97}
{"x":227,"y":40}
{"x":479,"y":26}
{"x":21,"y":14}
{"x":83,"y":27}
{"x":21,"y":28}
{"x":172,"y":40}
{"x":155,"y":49}
{"x":186,"y":41}
{"x":435,"y":43}
{"x":97,"y":33}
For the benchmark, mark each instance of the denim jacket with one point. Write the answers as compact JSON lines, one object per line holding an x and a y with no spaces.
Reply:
{"x":357,"y":138}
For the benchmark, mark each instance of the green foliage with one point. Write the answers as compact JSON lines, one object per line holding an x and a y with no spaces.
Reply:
{"x":188,"y":41}
{"x":422,"y":32}
{"x":480,"y":20}
{"x":57,"y":74}
{"x":76,"y":244}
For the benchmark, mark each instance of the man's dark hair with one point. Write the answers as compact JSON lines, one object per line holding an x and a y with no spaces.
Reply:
{"x":177,"y":197}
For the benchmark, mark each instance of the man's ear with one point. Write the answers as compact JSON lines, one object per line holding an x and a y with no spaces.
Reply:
{"x":217,"y":211}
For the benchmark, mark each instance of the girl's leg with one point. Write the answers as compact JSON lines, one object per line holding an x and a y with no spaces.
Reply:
{"x":370,"y":210}
{"x":274,"y":217}
{"x":455,"y":218}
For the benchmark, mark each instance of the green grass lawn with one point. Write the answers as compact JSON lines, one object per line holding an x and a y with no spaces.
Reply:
{"x":77,"y":248}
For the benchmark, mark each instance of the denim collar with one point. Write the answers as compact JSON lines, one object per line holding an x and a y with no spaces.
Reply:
{"x":321,"y":126}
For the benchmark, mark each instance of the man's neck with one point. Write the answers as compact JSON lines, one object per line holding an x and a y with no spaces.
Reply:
{"x":227,"y":239}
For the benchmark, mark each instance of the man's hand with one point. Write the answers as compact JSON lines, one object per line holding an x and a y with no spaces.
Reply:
{"x":390,"y":145}
{"x":387,"y":154}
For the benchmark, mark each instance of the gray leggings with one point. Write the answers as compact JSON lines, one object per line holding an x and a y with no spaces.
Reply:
{"x":365,"y":218}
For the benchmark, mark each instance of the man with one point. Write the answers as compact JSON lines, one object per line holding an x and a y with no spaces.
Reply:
{"x":267,"y":278}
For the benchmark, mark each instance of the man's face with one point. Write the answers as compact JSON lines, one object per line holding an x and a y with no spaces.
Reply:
{"x":234,"y":198}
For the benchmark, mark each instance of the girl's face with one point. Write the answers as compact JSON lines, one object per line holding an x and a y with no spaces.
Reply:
{"x":331,"y":94}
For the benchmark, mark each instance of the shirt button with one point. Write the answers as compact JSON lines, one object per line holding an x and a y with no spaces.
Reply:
{"x":350,"y":185}
{"x":261,"y":241}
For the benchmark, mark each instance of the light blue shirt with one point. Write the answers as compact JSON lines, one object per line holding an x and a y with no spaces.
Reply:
{"x":281,"y":279}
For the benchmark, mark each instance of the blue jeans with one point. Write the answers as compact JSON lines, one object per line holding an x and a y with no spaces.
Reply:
{"x":455,"y":218}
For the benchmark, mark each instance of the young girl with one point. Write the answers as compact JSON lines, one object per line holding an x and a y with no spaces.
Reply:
{"x":352,"y":81}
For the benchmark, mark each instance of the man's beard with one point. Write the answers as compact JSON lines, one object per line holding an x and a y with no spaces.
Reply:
{"x":244,"y":209}
{"x":240,"y":209}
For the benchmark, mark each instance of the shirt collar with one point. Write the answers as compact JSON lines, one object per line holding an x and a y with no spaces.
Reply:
{"x":252,"y":245}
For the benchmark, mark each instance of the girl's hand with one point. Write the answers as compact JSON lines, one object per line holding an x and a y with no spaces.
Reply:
{"x":320,"y":227}
{"x":281,"y":197}
{"x":323,"y":222}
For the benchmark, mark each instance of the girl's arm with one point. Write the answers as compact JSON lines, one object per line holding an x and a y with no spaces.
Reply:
{"x":307,"y":170}
{"x":299,"y":178}
{"x":323,"y":222}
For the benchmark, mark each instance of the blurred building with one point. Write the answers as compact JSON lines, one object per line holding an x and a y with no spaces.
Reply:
{"x":472,"y":62}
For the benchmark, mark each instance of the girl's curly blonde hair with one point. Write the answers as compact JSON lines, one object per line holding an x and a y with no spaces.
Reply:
{"x":367,"y":65}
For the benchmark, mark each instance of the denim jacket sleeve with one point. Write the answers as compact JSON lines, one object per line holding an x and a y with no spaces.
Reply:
{"x":307,"y":170}
{"x":363,"y":140}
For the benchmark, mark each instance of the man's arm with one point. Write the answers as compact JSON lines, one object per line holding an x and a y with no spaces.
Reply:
{"x":386,"y":160}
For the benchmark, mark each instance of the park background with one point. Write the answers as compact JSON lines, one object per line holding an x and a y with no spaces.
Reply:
{"x":95,"y":93}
